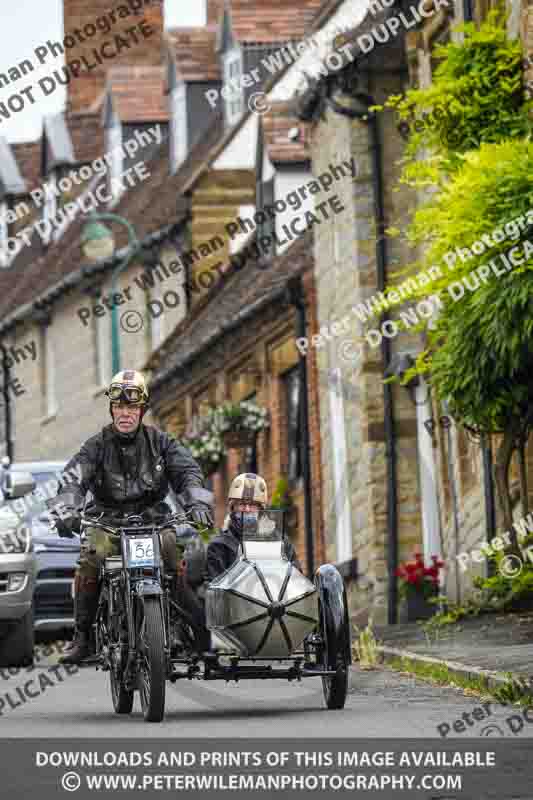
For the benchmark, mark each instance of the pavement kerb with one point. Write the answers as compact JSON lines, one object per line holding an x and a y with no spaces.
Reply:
{"x":494,"y":679}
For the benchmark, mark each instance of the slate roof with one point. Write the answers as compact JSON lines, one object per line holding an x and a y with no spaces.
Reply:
{"x":155,"y":204}
{"x":194,"y":53}
{"x":240,"y":294}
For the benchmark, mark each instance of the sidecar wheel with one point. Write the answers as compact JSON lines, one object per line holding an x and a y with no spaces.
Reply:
{"x":152,"y":674}
{"x":122,"y":698}
{"x":335,"y":632}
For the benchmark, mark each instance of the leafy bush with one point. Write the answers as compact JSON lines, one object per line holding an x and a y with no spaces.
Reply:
{"x":477,"y":95}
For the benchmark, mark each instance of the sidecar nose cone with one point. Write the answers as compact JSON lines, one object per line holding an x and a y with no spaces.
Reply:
{"x":276,"y":610}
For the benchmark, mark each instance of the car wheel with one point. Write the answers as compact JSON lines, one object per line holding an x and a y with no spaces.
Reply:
{"x":16,"y":650}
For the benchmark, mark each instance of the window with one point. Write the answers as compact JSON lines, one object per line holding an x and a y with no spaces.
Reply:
{"x":234,"y":104}
{"x":292,"y":385}
{"x":268,"y":227}
{"x":341,"y":475}
{"x":156,"y":318}
{"x":7,"y":254}
{"x":50,"y":205}
{"x":336,"y":243}
{"x":101,"y":350}
{"x":178,"y":122}
{"x":114,"y":147}
{"x":249,"y":458}
{"x":48,"y":394}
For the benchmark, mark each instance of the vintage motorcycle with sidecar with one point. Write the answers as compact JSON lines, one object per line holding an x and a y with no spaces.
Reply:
{"x":261,"y":618}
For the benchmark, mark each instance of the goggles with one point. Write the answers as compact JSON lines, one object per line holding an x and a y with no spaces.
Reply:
{"x":117,"y":392}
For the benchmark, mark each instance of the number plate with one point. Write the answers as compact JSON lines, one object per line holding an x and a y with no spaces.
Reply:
{"x":141,"y":552}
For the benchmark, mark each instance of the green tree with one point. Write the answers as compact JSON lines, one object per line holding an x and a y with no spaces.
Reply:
{"x":473,"y":126}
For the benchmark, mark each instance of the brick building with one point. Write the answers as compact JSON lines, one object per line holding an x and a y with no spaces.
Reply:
{"x":396,"y":477}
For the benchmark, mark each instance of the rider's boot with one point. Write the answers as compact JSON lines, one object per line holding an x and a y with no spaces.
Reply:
{"x":85,"y":602}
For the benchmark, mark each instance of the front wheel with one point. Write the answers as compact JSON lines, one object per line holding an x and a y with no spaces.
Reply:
{"x":152,"y":673}
{"x":335,"y":634}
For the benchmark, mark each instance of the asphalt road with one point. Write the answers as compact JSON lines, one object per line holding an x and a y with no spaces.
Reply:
{"x":381,"y":703}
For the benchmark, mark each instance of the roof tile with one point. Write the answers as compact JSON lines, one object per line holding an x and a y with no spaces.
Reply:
{"x":272,"y":20}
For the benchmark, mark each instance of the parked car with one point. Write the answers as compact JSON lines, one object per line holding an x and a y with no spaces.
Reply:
{"x":56,"y":557}
{"x":18,"y":569}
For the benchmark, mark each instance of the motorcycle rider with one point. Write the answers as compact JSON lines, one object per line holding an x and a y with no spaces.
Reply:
{"x":128,"y":468}
{"x":247,"y":494}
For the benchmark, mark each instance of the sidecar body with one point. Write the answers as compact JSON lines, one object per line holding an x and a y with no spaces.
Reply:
{"x":263,"y":610}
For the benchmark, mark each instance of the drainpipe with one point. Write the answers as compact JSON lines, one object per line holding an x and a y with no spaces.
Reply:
{"x":468,"y":11}
{"x":381,"y":260}
{"x":488,"y":485}
{"x":7,"y":404}
{"x":295,"y":297}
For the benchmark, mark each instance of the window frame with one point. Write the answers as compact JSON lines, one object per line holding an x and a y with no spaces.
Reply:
{"x":234,"y":105}
{"x":48,"y":374}
{"x":293,"y":375}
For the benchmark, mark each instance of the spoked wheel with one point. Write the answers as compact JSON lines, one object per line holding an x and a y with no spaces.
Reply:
{"x":152,"y":673}
{"x":335,"y":632}
{"x":122,"y":697}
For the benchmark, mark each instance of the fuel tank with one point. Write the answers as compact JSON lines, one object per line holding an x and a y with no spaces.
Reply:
{"x":262,"y":606}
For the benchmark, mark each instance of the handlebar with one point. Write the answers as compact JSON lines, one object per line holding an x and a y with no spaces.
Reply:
{"x":173,"y":519}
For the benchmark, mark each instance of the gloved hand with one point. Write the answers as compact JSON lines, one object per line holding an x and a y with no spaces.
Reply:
{"x":201,"y":514}
{"x":66,"y":519}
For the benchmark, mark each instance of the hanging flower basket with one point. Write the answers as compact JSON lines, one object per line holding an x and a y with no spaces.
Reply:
{"x":227,"y":426}
{"x":205,"y":445}
{"x":238,"y":439}
{"x":239,"y":423}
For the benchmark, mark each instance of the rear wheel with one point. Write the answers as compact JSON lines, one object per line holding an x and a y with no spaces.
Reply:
{"x":152,"y":673}
{"x":122,"y":697}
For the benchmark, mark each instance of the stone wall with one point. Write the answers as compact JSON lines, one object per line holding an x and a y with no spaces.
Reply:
{"x":345,"y":275}
{"x":82,"y":408}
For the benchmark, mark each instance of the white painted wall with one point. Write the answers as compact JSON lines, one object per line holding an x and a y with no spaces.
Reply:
{"x":241,"y":150}
{"x":286,"y":182}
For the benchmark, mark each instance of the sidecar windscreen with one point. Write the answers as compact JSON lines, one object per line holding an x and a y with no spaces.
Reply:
{"x":267,"y":527}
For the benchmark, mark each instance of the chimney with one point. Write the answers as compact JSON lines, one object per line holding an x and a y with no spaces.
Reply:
{"x":97,"y":23}
{"x":214,"y":11}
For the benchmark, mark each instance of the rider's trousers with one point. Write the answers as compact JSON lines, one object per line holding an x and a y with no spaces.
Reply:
{"x":100,"y":545}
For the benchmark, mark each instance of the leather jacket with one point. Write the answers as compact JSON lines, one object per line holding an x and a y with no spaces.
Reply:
{"x":128,"y":475}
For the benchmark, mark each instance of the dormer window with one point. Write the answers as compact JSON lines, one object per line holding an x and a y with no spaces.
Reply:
{"x":114,"y":147}
{"x":178,"y":121}
{"x":6,"y":254}
{"x":50,"y":205}
{"x":234,"y":103}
